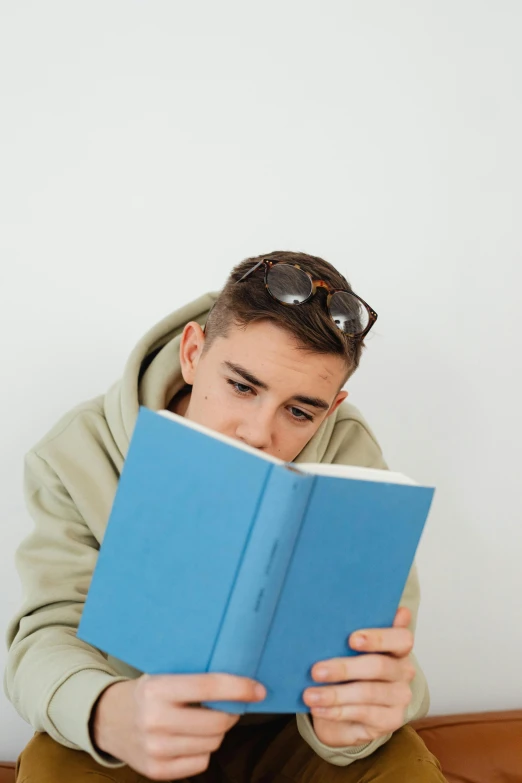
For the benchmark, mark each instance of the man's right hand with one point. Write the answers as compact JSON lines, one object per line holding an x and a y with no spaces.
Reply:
{"x":149,"y":723}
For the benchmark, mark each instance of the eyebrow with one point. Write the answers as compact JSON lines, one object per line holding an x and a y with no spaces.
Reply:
{"x":314,"y":402}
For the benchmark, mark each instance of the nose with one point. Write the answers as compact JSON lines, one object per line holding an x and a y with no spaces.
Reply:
{"x":256,"y":432}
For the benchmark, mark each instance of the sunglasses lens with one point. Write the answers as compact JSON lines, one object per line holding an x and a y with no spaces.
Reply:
{"x":349,"y":314}
{"x":288,"y":284}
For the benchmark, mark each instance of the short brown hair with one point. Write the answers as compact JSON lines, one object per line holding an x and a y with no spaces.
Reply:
{"x":309,"y":323}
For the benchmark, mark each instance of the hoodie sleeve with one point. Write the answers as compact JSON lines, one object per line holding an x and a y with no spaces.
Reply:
{"x":53,"y":678}
{"x":355,"y":444}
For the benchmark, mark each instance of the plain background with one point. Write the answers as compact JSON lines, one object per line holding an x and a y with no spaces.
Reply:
{"x":145,"y":148}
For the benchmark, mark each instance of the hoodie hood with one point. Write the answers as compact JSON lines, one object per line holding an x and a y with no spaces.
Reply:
{"x":152,"y":374}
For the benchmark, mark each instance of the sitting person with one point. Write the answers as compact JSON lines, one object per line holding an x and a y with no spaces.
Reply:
{"x":265,"y":362}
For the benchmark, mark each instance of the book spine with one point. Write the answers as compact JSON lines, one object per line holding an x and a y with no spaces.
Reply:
{"x":254,"y":598}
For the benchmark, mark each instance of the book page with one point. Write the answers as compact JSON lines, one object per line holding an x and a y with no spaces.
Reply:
{"x":354,"y":472}
{"x":319,"y":469}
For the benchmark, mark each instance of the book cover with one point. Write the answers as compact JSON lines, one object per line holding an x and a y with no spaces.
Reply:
{"x":219,"y":558}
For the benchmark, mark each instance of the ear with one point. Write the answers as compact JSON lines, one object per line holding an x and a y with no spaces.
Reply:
{"x":341,"y":396}
{"x":190,"y":350}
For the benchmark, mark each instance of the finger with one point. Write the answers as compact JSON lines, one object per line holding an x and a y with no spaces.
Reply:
{"x":394,"y":641}
{"x":190,"y":688}
{"x":194,"y":721}
{"x":163,"y":746}
{"x":382,"y":719}
{"x":365,"y":667}
{"x":358,"y":733}
{"x":402,"y":618}
{"x":384,"y":694}
{"x":183,"y":767}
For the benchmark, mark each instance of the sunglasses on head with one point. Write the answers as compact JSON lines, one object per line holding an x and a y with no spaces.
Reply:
{"x":291,"y":285}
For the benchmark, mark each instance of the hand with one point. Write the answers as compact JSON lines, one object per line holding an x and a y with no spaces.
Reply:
{"x":152,"y":724}
{"x":374,"y":691}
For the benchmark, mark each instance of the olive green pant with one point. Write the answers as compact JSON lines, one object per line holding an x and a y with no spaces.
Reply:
{"x":269,"y":753}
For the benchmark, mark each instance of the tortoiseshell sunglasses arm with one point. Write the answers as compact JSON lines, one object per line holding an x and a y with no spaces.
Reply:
{"x":253,"y":269}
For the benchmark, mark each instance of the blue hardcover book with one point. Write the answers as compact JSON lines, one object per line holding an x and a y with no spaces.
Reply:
{"x":219,"y":558}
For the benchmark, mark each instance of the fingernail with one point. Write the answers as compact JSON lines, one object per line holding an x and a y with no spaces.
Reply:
{"x":321,"y":673}
{"x":260,"y":691}
{"x":314,"y":697}
{"x":359,"y":640}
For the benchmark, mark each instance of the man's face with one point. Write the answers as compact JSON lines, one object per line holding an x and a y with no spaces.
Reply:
{"x":257,"y":386}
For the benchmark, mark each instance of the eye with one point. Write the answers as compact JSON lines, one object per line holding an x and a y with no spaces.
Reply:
{"x":239,"y":388}
{"x":300,"y":415}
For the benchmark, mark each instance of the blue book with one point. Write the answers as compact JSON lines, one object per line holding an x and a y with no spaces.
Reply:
{"x":219,"y":558}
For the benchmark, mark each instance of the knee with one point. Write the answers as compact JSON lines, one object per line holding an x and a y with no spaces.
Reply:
{"x":44,"y":760}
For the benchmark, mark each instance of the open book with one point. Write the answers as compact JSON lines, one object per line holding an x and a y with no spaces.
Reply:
{"x":218,"y":557}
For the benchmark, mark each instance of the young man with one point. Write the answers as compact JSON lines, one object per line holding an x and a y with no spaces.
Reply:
{"x":266,"y":366}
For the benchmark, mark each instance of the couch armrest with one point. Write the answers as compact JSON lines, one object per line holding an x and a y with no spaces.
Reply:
{"x":7,"y":772}
{"x":479,"y":747}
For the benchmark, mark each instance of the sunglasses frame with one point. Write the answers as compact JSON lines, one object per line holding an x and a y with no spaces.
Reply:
{"x":315,"y":285}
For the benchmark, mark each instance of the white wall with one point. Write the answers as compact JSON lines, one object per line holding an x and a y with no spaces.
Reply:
{"x":147,"y":147}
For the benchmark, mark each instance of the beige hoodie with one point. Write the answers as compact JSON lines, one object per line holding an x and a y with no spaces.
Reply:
{"x":54,"y":679}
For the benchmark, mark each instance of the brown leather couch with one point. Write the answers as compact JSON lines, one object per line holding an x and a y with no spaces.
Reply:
{"x":482,"y":747}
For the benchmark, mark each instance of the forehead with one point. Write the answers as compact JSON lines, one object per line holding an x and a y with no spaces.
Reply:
{"x":275,"y":356}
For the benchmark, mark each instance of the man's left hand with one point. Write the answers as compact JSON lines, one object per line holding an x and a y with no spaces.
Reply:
{"x":373,"y":690}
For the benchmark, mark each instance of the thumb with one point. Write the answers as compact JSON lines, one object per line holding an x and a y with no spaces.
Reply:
{"x":402,"y":617}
